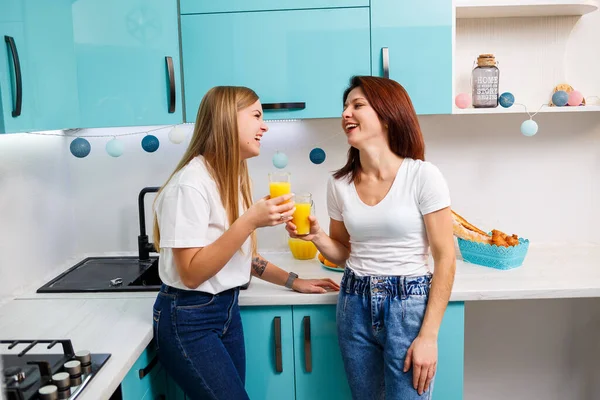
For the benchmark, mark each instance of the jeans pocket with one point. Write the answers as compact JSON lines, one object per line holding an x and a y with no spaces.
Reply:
{"x":198,"y":302}
{"x":155,"y":323}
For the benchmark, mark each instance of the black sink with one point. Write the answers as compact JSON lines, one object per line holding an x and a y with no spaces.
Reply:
{"x":107,"y":274}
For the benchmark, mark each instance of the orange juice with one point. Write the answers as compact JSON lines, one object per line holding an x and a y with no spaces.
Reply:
{"x":300,"y":218}
{"x":301,"y":249}
{"x":277,"y":189}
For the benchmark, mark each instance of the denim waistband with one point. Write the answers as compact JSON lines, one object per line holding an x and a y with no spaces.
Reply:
{"x":402,"y":286}
{"x":171,"y":291}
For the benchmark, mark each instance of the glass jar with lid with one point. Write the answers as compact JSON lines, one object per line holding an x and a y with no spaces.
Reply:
{"x":485,"y":80}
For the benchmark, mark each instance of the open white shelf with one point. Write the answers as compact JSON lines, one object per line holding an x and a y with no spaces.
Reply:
{"x":517,"y":109}
{"x":524,"y":8}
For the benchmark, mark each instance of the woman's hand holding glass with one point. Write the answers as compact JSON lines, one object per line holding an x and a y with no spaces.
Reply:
{"x":315,"y":228}
{"x":271,"y":212}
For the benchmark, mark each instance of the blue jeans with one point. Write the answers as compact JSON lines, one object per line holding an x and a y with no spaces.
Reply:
{"x":200,"y":342}
{"x":378,"y":317}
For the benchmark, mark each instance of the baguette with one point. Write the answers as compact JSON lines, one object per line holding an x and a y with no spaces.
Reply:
{"x":467,"y":231}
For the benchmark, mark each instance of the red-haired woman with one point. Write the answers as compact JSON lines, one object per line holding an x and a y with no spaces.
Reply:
{"x":388,"y":207}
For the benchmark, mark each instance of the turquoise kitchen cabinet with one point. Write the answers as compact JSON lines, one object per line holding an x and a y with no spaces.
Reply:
{"x":15,"y":97}
{"x":411,"y":42}
{"x":127,"y":55}
{"x":269,"y":352}
{"x":146,"y":379}
{"x":38,"y":75}
{"x":174,"y":392}
{"x":319,"y":369}
{"x":11,"y":11}
{"x":298,"y":62}
{"x":52,"y":64}
{"x":199,"y":7}
{"x":449,"y":377}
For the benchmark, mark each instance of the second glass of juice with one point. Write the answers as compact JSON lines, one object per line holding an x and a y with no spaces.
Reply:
{"x":279,"y":184}
{"x":304,"y":205}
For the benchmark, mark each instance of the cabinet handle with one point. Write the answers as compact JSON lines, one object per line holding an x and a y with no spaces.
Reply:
{"x":307,"y":346}
{"x":17,"y":65}
{"x":278,"y":355}
{"x":385,"y":54}
{"x":284,"y":106}
{"x":171,"y":72}
{"x":145,"y":371}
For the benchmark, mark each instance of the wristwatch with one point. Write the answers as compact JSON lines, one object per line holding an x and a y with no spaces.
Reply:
{"x":290,"y":280}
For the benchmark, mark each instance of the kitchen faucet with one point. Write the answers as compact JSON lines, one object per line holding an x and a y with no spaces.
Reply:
{"x":144,"y":247}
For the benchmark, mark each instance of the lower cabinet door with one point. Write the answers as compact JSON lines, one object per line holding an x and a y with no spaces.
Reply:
{"x":319,"y":370}
{"x":174,"y":392}
{"x":146,"y":379}
{"x":448,"y":384}
{"x":269,"y":352}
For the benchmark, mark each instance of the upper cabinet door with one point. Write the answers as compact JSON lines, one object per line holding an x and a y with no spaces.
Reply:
{"x":412,"y":41}
{"x":16,"y":107}
{"x":320,"y":373}
{"x":199,"y":6}
{"x":127,"y":62}
{"x":11,"y":11}
{"x":38,"y":75}
{"x":298,"y":62}
{"x":52,"y":64}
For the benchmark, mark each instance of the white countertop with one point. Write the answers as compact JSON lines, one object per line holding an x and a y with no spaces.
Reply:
{"x":121,"y":323}
{"x":120,"y":327}
{"x":548,"y":272}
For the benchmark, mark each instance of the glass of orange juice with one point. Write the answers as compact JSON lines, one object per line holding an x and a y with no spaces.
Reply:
{"x":279,"y":184}
{"x":304,"y":205}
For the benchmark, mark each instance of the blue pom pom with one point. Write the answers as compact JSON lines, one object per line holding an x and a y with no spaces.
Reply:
{"x":80,"y":147}
{"x":317,"y":155}
{"x":506,"y":99}
{"x":560,"y":98}
{"x":529,"y":127}
{"x":115,"y":148}
{"x":150,"y":143}
{"x":280,"y":160}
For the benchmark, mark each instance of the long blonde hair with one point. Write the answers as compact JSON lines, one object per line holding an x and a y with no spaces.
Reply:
{"x":216,"y":138}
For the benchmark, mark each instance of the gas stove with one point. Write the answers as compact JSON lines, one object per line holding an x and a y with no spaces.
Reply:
{"x":28,"y":374}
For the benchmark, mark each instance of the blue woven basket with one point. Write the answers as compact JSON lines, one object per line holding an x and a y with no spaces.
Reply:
{"x":493,"y":256}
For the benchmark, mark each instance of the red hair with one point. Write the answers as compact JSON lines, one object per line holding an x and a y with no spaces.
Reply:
{"x":395,"y":110}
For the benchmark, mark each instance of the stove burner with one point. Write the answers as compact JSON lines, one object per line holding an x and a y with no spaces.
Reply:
{"x":60,"y":376}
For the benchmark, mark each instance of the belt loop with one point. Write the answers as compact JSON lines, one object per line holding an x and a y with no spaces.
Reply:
{"x":403,"y":294}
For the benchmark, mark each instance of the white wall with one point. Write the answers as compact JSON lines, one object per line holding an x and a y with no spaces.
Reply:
{"x":543,"y":188}
{"x":36,"y":210}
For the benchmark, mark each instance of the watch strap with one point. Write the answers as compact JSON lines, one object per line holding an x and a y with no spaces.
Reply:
{"x":290,"y":280}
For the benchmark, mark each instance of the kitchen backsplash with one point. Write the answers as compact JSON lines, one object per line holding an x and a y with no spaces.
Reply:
{"x":56,"y":207}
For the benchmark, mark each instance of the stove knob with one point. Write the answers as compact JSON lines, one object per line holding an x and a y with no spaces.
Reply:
{"x":49,"y":392}
{"x":13,"y":374}
{"x":84,"y":357}
{"x":73,"y":368}
{"x":61,"y":380}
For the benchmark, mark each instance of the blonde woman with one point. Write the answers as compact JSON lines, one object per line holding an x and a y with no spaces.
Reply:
{"x":204,"y":230}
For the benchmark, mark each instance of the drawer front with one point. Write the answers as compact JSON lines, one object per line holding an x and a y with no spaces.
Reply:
{"x":212,"y":6}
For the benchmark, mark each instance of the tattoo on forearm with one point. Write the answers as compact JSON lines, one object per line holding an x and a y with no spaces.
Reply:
{"x":259,"y":265}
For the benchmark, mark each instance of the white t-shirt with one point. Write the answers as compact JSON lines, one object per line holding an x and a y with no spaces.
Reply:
{"x":191,"y":214}
{"x":390,"y":237}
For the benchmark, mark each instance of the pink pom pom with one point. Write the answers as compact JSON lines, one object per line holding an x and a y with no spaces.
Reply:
{"x":463,"y":100}
{"x":575,"y":98}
